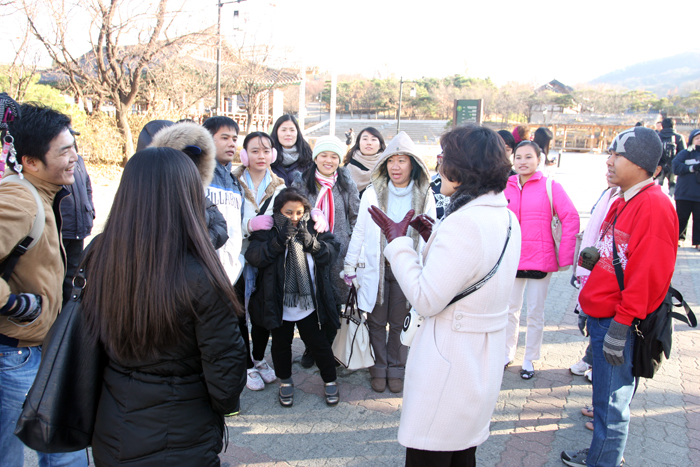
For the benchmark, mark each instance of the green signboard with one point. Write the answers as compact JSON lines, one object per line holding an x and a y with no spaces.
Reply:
{"x":468,"y":111}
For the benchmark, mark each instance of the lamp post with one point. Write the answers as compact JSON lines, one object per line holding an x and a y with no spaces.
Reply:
{"x":413,"y":94}
{"x":218,"y":52}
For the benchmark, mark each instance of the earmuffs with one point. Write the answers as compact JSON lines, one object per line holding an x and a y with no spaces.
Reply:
{"x":246,"y":161}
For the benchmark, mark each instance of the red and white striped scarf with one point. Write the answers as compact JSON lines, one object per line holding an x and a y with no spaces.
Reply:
{"x":324,"y":202}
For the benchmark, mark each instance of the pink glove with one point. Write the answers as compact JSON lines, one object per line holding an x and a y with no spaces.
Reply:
{"x":320,"y":222}
{"x":260,"y":223}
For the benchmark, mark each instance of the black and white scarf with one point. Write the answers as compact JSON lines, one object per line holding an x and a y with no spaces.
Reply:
{"x":297,"y":283}
{"x":457,"y":200}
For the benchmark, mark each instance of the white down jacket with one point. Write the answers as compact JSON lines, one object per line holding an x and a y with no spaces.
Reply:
{"x":368,"y":242}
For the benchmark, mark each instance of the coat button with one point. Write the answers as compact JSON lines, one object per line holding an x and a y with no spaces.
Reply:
{"x":457,"y":326}
{"x":459,"y":316}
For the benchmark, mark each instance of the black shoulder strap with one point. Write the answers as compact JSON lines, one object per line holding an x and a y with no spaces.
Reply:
{"x":689,"y":317}
{"x":8,"y":266}
{"x":263,"y":208}
{"x":358,"y":165}
{"x":616,"y":260}
{"x":476,"y":286}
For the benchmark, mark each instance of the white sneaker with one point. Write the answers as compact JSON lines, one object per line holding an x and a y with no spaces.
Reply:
{"x":266,"y":373}
{"x":580,"y":368}
{"x":255,"y":382}
{"x":589,"y":374}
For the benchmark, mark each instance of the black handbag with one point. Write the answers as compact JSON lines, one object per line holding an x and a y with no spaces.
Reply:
{"x":59,"y":412}
{"x":655,"y":332}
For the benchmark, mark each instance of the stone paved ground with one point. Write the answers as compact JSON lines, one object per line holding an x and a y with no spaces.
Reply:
{"x":534,"y":420}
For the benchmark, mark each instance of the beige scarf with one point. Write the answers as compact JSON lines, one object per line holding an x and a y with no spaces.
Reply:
{"x":362,"y":177}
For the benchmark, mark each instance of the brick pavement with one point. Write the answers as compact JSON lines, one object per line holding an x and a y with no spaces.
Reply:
{"x":534,"y":420}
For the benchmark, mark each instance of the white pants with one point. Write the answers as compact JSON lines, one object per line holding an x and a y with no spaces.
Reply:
{"x":536,"y":295}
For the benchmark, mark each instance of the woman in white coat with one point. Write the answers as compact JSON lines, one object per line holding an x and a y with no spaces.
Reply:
{"x":453,"y":374}
{"x":400,"y":182}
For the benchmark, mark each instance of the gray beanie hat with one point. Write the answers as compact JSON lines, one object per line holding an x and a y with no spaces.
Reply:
{"x":640,"y":145}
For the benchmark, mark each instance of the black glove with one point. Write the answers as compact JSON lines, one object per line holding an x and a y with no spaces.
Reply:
{"x":22,"y":307}
{"x":285,"y":232}
{"x":614,"y":343}
{"x":307,"y":240}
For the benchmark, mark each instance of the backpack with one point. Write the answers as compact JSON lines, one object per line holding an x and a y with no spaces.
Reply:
{"x":32,"y":238}
{"x":654,"y":334}
{"x":669,"y":152}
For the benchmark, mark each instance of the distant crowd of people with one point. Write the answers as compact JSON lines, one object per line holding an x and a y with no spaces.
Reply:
{"x":203,"y":261}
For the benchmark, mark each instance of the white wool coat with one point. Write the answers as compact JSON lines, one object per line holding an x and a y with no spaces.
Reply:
{"x":455,"y":365}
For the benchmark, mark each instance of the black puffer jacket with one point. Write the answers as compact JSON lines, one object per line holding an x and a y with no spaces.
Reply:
{"x":78,"y":211}
{"x":170,"y":410}
{"x":266,"y":254}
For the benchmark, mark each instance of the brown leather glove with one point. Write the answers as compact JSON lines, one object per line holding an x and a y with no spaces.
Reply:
{"x":391,"y":229}
{"x":424,"y":225}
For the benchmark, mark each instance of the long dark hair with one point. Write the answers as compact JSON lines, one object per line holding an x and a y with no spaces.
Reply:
{"x":536,"y":147}
{"x":474,"y":157}
{"x":309,"y":177}
{"x":372,"y":131}
{"x":303,"y":148}
{"x":543,"y":136}
{"x":137,"y":283}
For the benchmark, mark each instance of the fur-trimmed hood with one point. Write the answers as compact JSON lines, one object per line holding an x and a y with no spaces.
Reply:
{"x":275,"y":183}
{"x":422,"y":200}
{"x":401,"y":144}
{"x":181,"y":135}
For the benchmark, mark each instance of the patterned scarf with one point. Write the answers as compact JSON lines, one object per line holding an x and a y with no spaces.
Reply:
{"x":324,"y":202}
{"x":289,"y":156}
{"x":297,"y":283}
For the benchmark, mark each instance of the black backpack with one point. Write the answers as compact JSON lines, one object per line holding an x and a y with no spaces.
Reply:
{"x":655,"y":332}
{"x":669,"y":152}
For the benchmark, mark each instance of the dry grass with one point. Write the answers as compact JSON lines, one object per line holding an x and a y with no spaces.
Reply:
{"x":103,"y":174}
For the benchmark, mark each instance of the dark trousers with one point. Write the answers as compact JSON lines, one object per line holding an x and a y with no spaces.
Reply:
{"x":389,"y":353}
{"x":420,"y":458}
{"x":259,"y":334}
{"x":315,"y":340}
{"x":330,"y":331}
{"x":74,"y":251}
{"x":671,"y":179}
{"x":684,"y":208}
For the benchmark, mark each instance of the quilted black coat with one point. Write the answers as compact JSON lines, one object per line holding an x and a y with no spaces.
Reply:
{"x":266,"y":254}
{"x":169,"y":410}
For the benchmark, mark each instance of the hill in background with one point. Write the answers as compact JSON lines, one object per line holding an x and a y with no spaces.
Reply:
{"x":676,"y":74}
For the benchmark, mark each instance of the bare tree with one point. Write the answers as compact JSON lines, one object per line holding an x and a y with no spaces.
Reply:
{"x":178,"y":82}
{"x":109,"y":71}
{"x":18,"y":75}
{"x":252,"y":72}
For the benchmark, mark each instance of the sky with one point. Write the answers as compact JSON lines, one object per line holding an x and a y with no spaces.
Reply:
{"x":525,"y":41}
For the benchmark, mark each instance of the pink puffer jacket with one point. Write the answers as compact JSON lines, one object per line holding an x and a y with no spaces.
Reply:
{"x":531,"y":206}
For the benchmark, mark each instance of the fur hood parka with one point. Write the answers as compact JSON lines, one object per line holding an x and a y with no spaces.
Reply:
{"x":366,"y":249}
{"x":198,"y":144}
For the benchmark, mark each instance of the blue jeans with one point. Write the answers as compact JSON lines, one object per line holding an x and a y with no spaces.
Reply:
{"x":18,"y":367}
{"x":613,"y":388}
